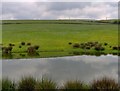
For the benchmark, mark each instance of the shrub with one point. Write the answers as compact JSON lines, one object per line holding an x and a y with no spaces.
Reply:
{"x":73,"y":85}
{"x":69,"y":43}
{"x":102,"y":48}
{"x":10,"y":48}
{"x":105,"y":44}
{"x":118,"y":47}
{"x":76,"y":53}
{"x":104,"y":83}
{"x":13,"y":44}
{"x":32,"y":51}
{"x":22,"y":55}
{"x":28,"y":43}
{"x":8,"y":85}
{"x":115,"y":48}
{"x":87,"y":47}
{"x":7,"y":50}
{"x":22,"y":43}
{"x":36,"y":47}
{"x":20,"y":46}
{"x":76,"y":45}
{"x":116,"y":22}
{"x":27,"y":84}
{"x":3,"y":48}
{"x":82,"y":46}
{"x":45,"y":84}
{"x":10,"y":44}
{"x":99,"y":48}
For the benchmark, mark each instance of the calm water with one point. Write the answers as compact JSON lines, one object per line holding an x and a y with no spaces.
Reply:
{"x":84,"y":68}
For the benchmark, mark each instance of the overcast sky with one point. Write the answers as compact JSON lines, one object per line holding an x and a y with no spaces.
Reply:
{"x":59,"y":10}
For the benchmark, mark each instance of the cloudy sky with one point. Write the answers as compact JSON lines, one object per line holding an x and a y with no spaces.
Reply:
{"x":58,"y":10}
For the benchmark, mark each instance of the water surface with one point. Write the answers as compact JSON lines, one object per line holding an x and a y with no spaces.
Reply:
{"x":60,"y":69}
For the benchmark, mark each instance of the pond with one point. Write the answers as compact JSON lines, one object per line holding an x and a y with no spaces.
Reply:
{"x":61,"y":69}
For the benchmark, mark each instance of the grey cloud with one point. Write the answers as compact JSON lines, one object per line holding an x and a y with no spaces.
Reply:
{"x":58,"y":6}
{"x":56,"y":10}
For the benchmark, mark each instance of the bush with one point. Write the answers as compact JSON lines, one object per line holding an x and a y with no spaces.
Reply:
{"x":20,"y":46}
{"x":104,"y":83}
{"x":69,"y":43}
{"x":73,"y":85}
{"x":23,"y":55}
{"x":76,"y":45}
{"x":8,"y":85}
{"x":45,"y":84}
{"x":32,"y":51}
{"x":99,"y":48}
{"x":28,"y":43}
{"x":7,"y":50}
{"x":105,"y":44}
{"x":115,"y":48}
{"x":76,"y":53}
{"x":27,"y":84}
{"x":87,"y":47}
{"x":22,"y":43}
{"x":10,"y":44}
{"x":102,"y":48}
{"x":36,"y":47}
{"x":10,"y":48}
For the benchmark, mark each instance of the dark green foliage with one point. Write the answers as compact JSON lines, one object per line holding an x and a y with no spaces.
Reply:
{"x":32,"y":51}
{"x":73,"y":85}
{"x":70,"y":43}
{"x":10,"y":48}
{"x":76,"y":53}
{"x":105,"y":44}
{"x":20,"y":46}
{"x":27,"y":84}
{"x":99,"y":48}
{"x":8,"y":85}
{"x":36,"y":47}
{"x":23,"y":55}
{"x":10,"y":44}
{"x":87,"y":47}
{"x":102,"y":48}
{"x":30,"y":84}
{"x":115,"y":48}
{"x":76,"y":45}
{"x":105,"y":83}
{"x":28,"y":44}
{"x":45,"y":84}
{"x":7,"y":50}
{"x":116,"y":22}
{"x":22,"y":43}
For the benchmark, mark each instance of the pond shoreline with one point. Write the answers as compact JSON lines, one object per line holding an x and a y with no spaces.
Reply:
{"x":56,"y":57}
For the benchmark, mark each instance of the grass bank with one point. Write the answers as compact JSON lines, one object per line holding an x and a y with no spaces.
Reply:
{"x":54,"y":36}
{"x":44,"y":84}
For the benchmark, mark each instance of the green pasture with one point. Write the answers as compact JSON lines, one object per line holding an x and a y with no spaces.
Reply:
{"x":55,"y":35}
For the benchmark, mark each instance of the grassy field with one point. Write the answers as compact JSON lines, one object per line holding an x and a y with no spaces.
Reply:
{"x":53,"y":36}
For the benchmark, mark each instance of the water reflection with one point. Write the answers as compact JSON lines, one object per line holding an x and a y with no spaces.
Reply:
{"x":60,"y":69}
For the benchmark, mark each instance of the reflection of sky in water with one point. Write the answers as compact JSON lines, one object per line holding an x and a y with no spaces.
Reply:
{"x":84,"y":68}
